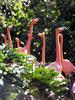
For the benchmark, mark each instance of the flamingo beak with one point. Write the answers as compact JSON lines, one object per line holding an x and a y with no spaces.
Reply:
{"x":63,"y":28}
{"x":60,"y":29}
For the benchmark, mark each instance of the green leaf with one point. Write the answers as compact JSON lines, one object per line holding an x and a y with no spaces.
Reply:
{"x":1,"y":56}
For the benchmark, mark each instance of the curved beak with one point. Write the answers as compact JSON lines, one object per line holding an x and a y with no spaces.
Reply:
{"x":60,"y":29}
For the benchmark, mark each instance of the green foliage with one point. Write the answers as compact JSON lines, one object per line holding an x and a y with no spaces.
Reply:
{"x":20,"y":70}
{"x":1,"y":56}
{"x":48,"y":78}
{"x":15,"y":14}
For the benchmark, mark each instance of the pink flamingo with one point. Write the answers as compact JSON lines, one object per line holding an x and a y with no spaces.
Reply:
{"x":42,"y":35}
{"x":57,"y":63}
{"x":4,"y":39}
{"x":9,"y":36}
{"x":67,"y":66}
{"x":26,"y":48}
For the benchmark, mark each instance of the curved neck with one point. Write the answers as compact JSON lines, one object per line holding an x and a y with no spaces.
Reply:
{"x":9,"y":38}
{"x":58,"y":56}
{"x":43,"y":51}
{"x":27,"y":46}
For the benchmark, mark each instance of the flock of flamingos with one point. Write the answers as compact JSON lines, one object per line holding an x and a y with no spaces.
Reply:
{"x":60,"y":64}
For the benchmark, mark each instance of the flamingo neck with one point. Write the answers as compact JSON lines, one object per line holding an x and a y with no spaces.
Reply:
{"x":18,"y":43}
{"x":43,"y":51}
{"x":58,"y":56}
{"x":9,"y":38}
{"x":61,"y":47}
{"x":27,"y":46}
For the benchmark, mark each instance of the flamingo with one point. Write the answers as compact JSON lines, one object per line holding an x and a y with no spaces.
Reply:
{"x":9,"y":36}
{"x":26,"y":48}
{"x":67,"y":66}
{"x":42,"y":35}
{"x":57,"y":64}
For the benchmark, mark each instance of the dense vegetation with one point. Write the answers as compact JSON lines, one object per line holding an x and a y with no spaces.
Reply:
{"x":21,"y":76}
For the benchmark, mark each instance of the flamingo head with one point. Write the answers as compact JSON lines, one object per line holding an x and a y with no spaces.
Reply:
{"x":41,"y":34}
{"x":9,"y":27}
{"x":60,"y":29}
{"x":17,"y":39}
{"x":34,"y":21}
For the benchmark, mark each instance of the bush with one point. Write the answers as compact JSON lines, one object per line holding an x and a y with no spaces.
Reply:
{"x":20,"y":70}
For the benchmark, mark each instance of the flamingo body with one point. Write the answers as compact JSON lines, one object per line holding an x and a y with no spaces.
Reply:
{"x":67,"y":66}
{"x":56,"y":66}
